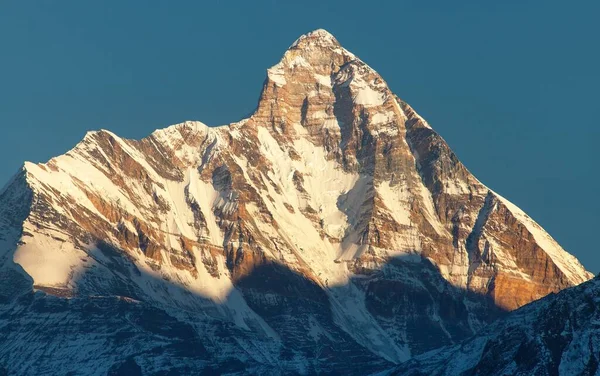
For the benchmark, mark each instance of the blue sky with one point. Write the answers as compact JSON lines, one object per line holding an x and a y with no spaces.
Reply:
{"x":512,"y":86}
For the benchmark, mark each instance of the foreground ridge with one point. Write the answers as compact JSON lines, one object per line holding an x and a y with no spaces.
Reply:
{"x":331,"y":231}
{"x":557,"y":335}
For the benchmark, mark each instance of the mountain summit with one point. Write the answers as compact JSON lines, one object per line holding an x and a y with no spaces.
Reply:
{"x":332,"y":231}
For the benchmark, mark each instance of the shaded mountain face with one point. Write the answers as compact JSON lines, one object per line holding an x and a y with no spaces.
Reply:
{"x":332,"y":231}
{"x":557,"y":335}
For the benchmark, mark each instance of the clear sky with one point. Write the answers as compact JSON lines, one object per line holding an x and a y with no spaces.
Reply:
{"x":511,"y":85}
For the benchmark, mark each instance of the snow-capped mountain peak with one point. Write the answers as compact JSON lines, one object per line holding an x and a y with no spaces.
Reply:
{"x":334,"y":209}
{"x":320,"y":36}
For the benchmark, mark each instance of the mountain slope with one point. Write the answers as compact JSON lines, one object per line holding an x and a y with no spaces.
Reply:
{"x":333,"y":225}
{"x":557,"y":335}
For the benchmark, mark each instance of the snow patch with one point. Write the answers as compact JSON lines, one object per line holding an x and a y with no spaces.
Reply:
{"x":331,"y":124}
{"x":397,"y":201}
{"x":368,"y":97}
{"x":323,"y":80}
{"x":48,"y":260}
{"x":298,"y":61}
{"x":382,"y":117}
{"x":277,"y":74}
{"x":206,"y":196}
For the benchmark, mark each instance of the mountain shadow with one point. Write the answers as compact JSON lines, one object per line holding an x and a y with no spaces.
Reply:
{"x":130,"y":322}
{"x":556,"y":335}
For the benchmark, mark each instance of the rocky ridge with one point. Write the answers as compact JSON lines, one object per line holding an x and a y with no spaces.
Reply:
{"x":557,"y":335}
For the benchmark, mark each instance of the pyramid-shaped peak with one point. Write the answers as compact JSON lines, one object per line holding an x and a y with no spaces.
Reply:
{"x":318,"y":47}
{"x":319,"y":36}
{"x":317,"y":51}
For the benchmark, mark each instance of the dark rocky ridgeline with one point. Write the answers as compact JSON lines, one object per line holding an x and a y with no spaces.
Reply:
{"x":556,"y":335}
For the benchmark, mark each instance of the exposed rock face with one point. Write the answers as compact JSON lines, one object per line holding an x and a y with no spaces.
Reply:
{"x":333,"y":227}
{"x":557,"y":335}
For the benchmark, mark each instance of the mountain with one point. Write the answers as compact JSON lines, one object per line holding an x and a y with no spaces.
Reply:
{"x":332,"y":231}
{"x":557,"y":335}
